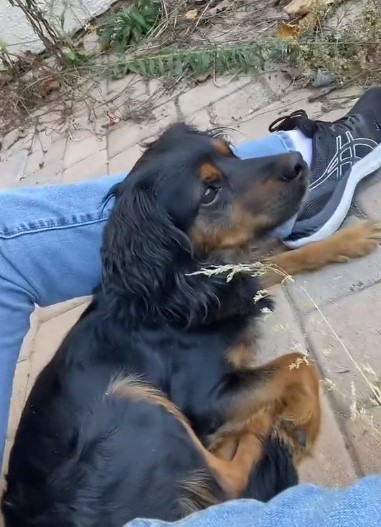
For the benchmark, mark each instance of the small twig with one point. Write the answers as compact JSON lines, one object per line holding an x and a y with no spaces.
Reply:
{"x":317,"y":96}
{"x":201,"y":16}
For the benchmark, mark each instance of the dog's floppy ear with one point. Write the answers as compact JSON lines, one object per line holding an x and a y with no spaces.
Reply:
{"x":140,"y":243}
{"x":148,"y":259}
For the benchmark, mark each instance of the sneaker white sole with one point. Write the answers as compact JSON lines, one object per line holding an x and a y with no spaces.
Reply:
{"x":365,"y":167}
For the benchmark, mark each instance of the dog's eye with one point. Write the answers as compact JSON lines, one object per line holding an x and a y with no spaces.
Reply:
{"x":210,"y":194}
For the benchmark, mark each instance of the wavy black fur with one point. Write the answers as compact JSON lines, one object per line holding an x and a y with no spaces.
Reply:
{"x":84,"y":458}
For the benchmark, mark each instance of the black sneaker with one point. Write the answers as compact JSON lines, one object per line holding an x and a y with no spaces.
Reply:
{"x":343,"y":153}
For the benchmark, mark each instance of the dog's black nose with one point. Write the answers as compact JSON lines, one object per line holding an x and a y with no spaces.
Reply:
{"x":293,"y":167}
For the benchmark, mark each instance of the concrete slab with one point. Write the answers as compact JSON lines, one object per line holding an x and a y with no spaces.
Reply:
{"x":78,"y":150}
{"x":241,"y":103}
{"x":91,"y":167}
{"x":345,"y":339}
{"x":335,"y":281}
{"x":125,"y":160}
{"x":207,"y":93}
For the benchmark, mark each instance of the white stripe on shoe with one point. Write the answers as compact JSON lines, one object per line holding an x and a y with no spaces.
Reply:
{"x":365,"y":167}
{"x":346,"y":153}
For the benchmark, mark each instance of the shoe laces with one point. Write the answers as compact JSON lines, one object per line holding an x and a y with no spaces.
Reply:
{"x":299,"y":119}
{"x":289,"y":122}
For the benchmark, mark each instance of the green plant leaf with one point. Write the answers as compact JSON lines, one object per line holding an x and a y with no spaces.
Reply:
{"x":139,"y":20}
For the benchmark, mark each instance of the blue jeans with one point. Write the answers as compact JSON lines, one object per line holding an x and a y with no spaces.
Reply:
{"x":49,"y":252}
{"x":301,"y":506}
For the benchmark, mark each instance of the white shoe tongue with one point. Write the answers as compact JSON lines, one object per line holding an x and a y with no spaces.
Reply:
{"x":283,"y":231}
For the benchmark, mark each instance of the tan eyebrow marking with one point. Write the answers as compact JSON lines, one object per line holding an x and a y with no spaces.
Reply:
{"x":209,"y":173}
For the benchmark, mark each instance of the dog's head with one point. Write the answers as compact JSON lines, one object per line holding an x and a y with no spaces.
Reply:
{"x":187,"y":198}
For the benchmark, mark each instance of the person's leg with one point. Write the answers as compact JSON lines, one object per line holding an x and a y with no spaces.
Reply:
{"x":357,"y":506}
{"x":49,"y":252}
{"x":50,"y":239}
{"x":268,"y":146}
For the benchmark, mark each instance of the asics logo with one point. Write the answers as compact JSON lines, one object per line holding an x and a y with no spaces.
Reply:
{"x":347,"y":153}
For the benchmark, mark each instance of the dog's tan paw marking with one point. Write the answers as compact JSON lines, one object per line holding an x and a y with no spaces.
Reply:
{"x":358,"y":241}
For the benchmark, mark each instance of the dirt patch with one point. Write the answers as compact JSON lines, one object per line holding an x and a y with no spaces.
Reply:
{"x":188,"y":41}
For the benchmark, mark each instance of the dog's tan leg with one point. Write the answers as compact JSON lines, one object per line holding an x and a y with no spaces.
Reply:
{"x":233,"y":462}
{"x":346,"y":244}
{"x":232,"y":475}
{"x":287,"y":389}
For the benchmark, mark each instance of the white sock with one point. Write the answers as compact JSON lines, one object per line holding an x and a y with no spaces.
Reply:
{"x":302,"y":144}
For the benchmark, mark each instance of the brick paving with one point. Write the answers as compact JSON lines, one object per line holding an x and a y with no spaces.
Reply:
{"x":333,"y":315}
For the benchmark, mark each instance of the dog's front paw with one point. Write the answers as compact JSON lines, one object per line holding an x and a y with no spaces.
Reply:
{"x":357,"y":241}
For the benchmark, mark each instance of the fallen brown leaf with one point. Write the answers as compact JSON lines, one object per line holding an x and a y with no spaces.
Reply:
{"x":48,"y":86}
{"x":287,"y":31}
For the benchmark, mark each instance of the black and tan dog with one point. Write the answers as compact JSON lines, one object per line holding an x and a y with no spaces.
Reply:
{"x":152,"y":406}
